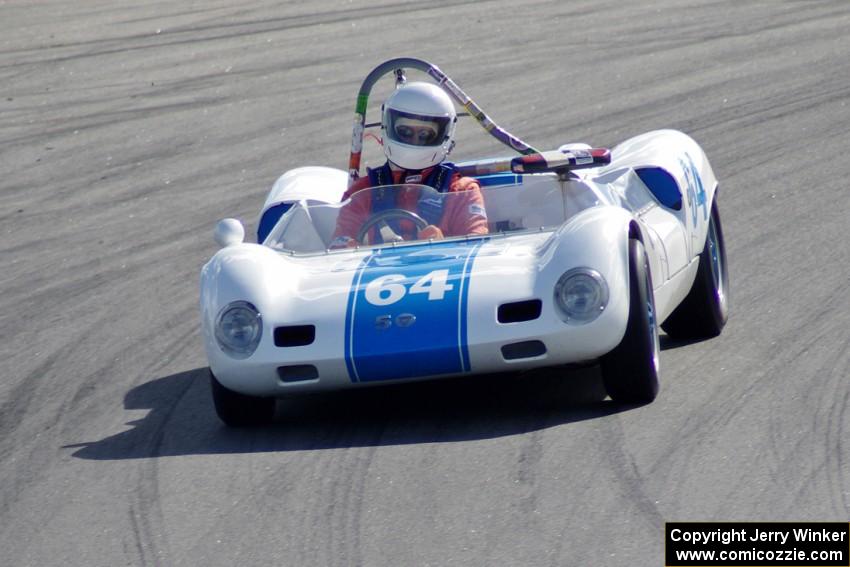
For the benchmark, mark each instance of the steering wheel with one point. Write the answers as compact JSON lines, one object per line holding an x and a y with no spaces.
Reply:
{"x":383,"y":216}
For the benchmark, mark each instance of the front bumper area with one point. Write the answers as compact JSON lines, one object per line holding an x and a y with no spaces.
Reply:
{"x":493,"y":347}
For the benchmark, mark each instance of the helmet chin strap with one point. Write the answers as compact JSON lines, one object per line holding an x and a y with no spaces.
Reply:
{"x":396,"y":167}
{"x":410,"y":175}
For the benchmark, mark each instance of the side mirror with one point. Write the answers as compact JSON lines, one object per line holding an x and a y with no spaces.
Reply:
{"x":229,"y":232}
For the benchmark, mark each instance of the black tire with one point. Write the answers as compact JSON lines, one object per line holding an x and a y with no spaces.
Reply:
{"x":705,"y":310}
{"x":630,"y":371}
{"x":240,"y":410}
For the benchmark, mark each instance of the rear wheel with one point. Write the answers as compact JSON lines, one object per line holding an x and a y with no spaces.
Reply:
{"x":703,"y":313}
{"x":630,"y":371}
{"x":240,"y":410}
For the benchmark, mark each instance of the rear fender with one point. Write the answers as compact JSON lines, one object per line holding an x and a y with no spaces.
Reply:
{"x":680,"y":157}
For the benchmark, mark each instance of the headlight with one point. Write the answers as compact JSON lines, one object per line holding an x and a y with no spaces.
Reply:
{"x":581,"y":295}
{"x":238,"y":329}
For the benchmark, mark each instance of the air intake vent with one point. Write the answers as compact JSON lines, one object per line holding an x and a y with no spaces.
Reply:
{"x":520,"y":311}
{"x":525,"y":349}
{"x":295,"y":335}
{"x":297,"y":373}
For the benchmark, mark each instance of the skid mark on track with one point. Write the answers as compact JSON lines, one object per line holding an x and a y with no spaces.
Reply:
{"x":190,"y":35}
{"x":21,"y":395}
{"x":528,"y":463}
{"x":150,"y":531}
{"x":834,"y":400}
{"x":631,"y":479}
{"x":330,"y":519}
{"x":341,"y":507}
{"x":55,"y":416}
{"x":136,"y":551}
{"x":82,"y":123}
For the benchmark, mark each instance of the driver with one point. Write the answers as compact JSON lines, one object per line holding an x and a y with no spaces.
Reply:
{"x":417,"y":124}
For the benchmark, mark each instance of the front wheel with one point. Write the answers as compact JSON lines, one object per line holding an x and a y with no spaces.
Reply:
{"x":240,"y":410}
{"x":630,"y":371}
{"x":703,"y":313}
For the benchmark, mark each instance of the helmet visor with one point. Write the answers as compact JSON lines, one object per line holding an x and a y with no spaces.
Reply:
{"x":416,"y":129}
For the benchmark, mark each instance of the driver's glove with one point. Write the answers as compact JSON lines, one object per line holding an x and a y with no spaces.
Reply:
{"x":431,"y":232}
{"x":343,"y":242}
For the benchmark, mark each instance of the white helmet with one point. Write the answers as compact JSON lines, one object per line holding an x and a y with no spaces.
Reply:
{"x":418,"y":125}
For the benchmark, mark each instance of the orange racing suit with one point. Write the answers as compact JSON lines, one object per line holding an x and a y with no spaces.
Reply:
{"x":462,"y":215}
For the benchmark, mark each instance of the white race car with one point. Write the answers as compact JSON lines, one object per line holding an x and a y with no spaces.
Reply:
{"x":589,"y":251}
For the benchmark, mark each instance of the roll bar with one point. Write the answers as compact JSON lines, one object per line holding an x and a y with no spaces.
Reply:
{"x":397,"y":66}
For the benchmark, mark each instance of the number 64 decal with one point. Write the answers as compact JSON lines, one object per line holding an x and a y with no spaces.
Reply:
{"x":388,"y":289}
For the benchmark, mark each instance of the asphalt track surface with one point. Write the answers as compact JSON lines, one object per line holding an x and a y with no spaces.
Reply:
{"x":128,"y":129}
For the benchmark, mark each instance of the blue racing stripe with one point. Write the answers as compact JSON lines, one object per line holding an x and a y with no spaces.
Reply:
{"x":499,"y":179}
{"x":464,"y":301}
{"x":349,"y":317}
{"x":406,"y":313}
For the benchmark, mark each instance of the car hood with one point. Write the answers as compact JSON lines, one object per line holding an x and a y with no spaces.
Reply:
{"x":302,"y":288}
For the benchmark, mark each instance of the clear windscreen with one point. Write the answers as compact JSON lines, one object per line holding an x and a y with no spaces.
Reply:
{"x":398,"y":214}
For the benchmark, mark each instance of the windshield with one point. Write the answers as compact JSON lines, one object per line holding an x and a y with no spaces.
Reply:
{"x":397,"y":214}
